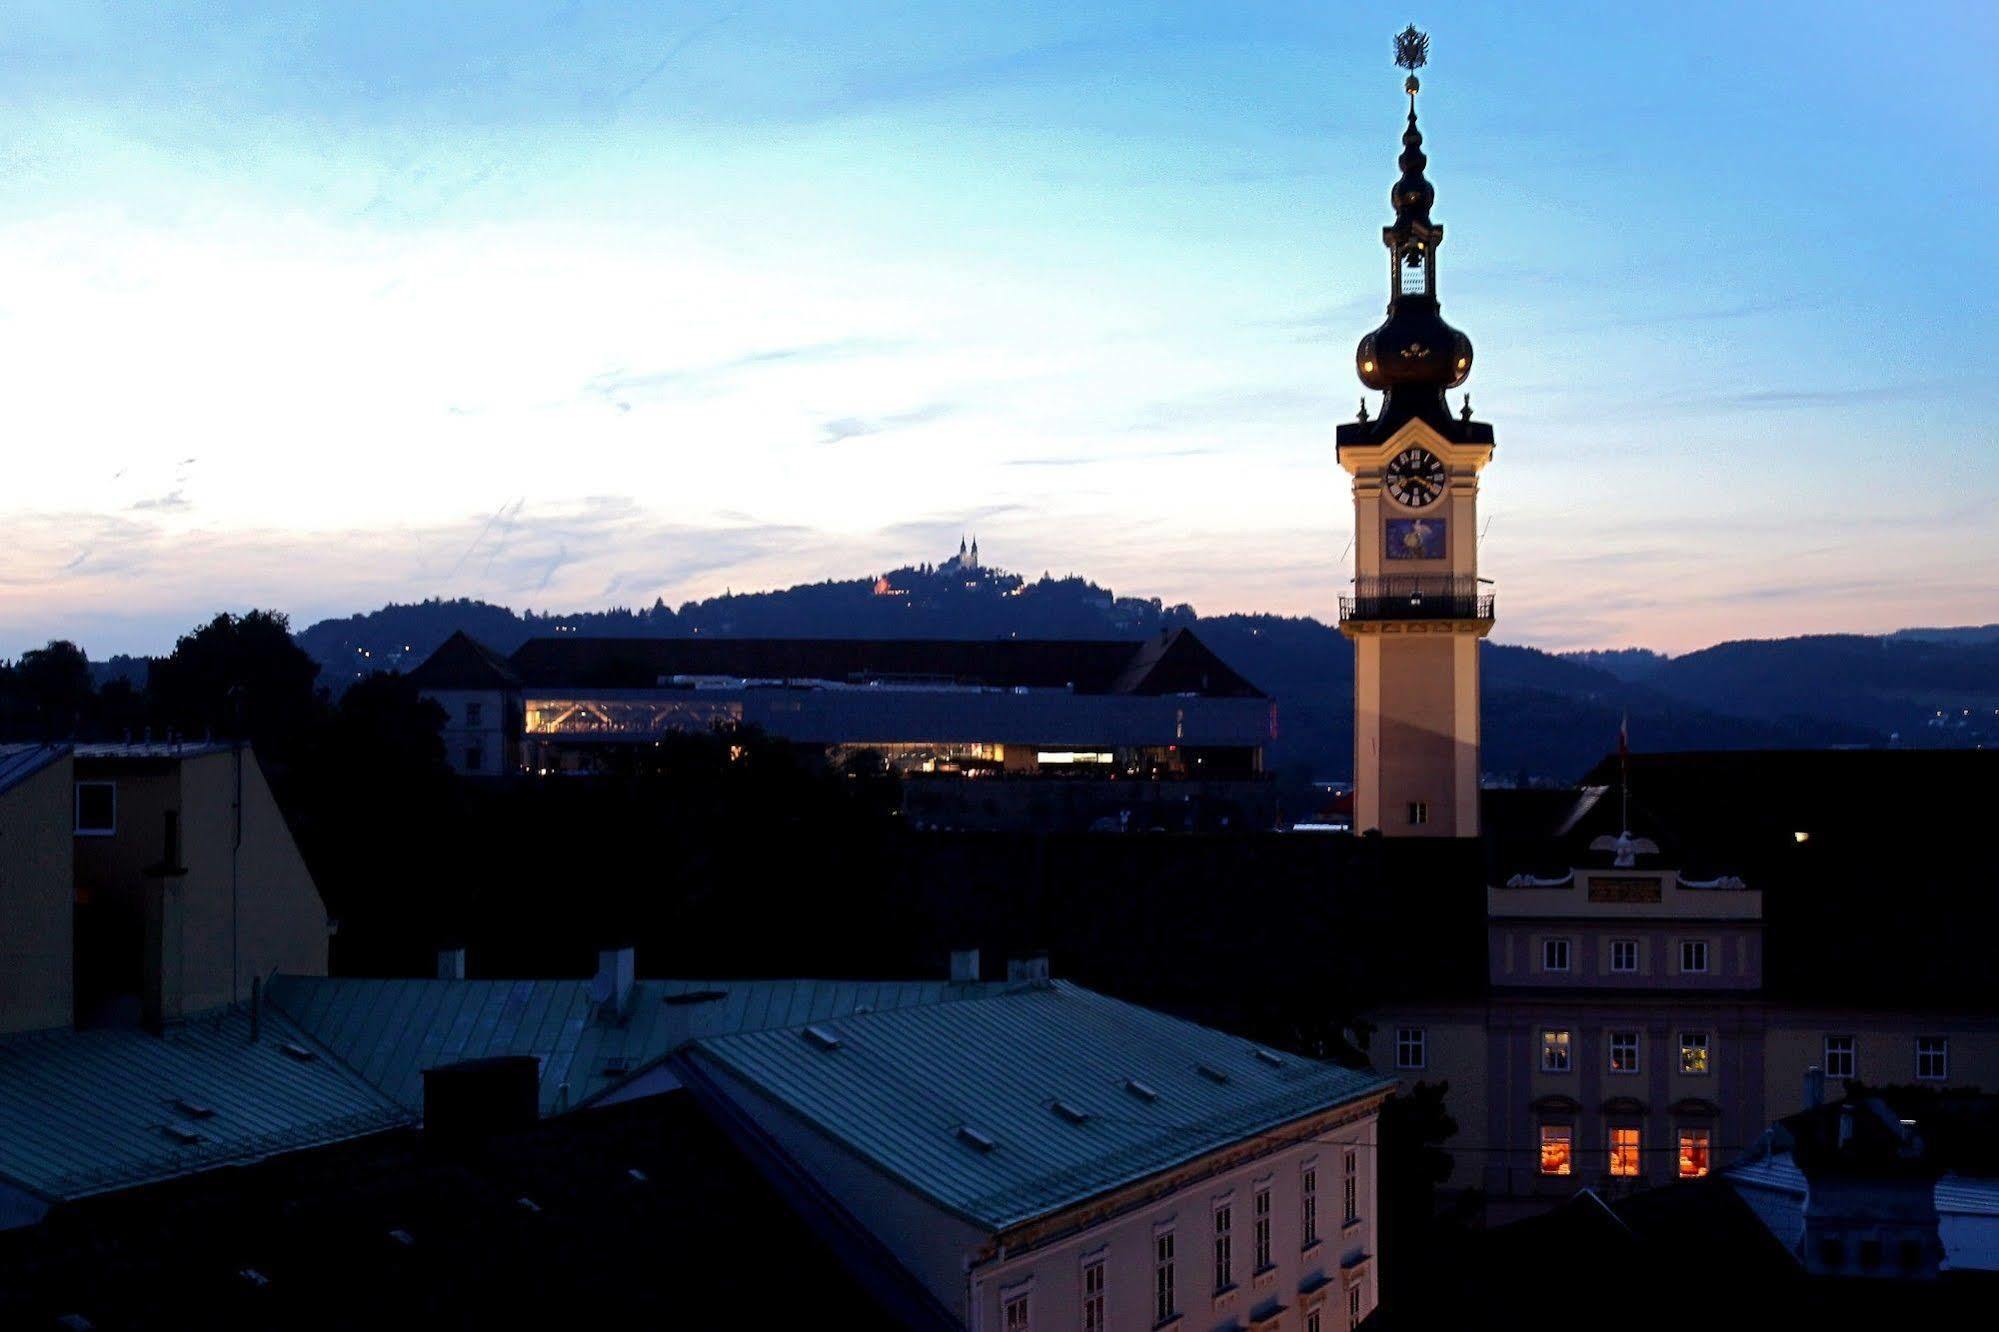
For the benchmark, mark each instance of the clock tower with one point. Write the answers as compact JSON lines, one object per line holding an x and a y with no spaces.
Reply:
{"x":1418,"y":607}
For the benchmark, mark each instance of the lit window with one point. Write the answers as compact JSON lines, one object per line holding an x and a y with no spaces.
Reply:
{"x":1693,"y":1153}
{"x":1693,"y":1052}
{"x":1224,"y":1249}
{"x":1624,"y":1153}
{"x":1839,"y":1056}
{"x":1308,"y":1205}
{"x":1624,"y":1052}
{"x":1262,"y":1229}
{"x":1932,"y":1058}
{"x":1419,"y":812}
{"x":1352,"y":1186}
{"x":1409,"y":1047}
{"x":1624,"y":955}
{"x":1693,"y":956}
{"x":1093,"y":1296}
{"x":96,"y":809}
{"x":1016,"y":1314}
{"x":1554,"y":955}
{"x":1164,"y":1302}
{"x":1558,"y":1149}
{"x":1554,"y":1052}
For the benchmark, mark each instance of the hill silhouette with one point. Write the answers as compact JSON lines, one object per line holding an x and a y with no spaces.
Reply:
{"x":1547,"y":716}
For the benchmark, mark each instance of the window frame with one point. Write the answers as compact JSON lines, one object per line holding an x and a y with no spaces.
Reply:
{"x":1705,"y":1046}
{"x":1633,"y":1041}
{"x":1308,"y":1205}
{"x":1350,"y":1188}
{"x":1942,"y":1053}
{"x":1564,"y":1134}
{"x":76,"y":809}
{"x":1223,"y":1250}
{"x":1165,"y":1279}
{"x":1557,"y":946}
{"x":1706,"y":968}
{"x":1615,"y":946}
{"x":1851,"y":1056}
{"x":1705,"y":1137}
{"x":1417,"y":1038}
{"x":1009,"y":1303}
{"x":1618,"y":1165}
{"x":1566,"y":1046}
{"x":1260,"y":1216}
{"x":1419,"y":813}
{"x":1094,"y":1300}
{"x":475,"y":712}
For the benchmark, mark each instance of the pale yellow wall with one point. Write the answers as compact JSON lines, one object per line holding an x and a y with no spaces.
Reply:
{"x":36,"y":900}
{"x":1884,"y":1050}
{"x":1456,"y":1053}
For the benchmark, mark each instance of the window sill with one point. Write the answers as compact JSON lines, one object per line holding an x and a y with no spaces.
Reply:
{"x":1311,"y":1251}
{"x":1350,"y":1225}
{"x":1174,"y":1321}
{"x":1225,"y":1297}
{"x":1264,"y":1277}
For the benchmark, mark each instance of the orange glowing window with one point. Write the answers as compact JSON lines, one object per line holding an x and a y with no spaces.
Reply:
{"x":1693,"y":1153}
{"x":1558,"y":1142}
{"x":1624,"y":1153}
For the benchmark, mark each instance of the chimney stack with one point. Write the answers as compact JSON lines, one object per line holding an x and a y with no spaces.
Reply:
{"x":1032,"y":968}
{"x":617,"y":972}
{"x":964,"y":965}
{"x":1814,"y":1087}
{"x":451,"y":964}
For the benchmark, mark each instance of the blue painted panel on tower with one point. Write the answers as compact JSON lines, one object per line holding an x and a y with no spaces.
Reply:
{"x":1415,"y":539}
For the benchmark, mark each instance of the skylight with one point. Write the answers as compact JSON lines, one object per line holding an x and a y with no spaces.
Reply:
{"x":193,"y":1109}
{"x":298,"y":1052}
{"x":1074,"y":1114}
{"x":1211,"y":1073}
{"x":823,"y":1037}
{"x":1140,"y":1090}
{"x":1275,"y":1061}
{"x":978,"y":1138}
{"x":185,"y":1137}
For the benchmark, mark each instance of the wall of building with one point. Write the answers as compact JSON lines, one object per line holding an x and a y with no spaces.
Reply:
{"x":1343,"y":1258}
{"x":1734,"y":953}
{"x":1884,"y":1049}
{"x":37,"y":900}
{"x":476,"y":730}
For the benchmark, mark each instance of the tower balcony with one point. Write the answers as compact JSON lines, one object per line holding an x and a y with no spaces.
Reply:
{"x":1417,"y":597}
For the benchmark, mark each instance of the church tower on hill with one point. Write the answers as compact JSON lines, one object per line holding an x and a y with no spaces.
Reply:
{"x":1418,"y":607}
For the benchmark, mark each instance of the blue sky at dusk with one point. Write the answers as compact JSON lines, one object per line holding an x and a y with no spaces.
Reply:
{"x":316,"y":306}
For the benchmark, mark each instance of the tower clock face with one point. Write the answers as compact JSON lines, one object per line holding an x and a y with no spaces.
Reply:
{"x":1415,"y":477}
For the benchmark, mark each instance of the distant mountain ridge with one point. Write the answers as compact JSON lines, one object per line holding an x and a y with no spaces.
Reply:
{"x":1547,"y":716}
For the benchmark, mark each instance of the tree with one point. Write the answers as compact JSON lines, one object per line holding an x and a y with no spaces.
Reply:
{"x":241,"y":677}
{"x":53,"y":687}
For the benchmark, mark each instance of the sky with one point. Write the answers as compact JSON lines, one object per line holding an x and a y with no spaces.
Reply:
{"x":315,"y":306}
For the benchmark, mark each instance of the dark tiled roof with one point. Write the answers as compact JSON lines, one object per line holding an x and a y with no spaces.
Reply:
{"x":462,"y":662}
{"x":1173,"y":663}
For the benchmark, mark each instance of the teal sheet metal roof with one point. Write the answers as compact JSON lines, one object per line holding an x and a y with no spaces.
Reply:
{"x":1039,"y":1076}
{"x":20,"y":762}
{"x":85,"y":1112}
{"x":389,"y":1031}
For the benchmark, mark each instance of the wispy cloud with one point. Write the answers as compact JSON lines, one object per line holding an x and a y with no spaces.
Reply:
{"x":172,"y":502}
{"x":1234,"y":407}
{"x":853,"y":427}
{"x":622,"y":386}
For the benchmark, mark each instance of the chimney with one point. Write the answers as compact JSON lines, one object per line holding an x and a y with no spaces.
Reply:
{"x":1032,"y":968}
{"x":964,"y":965}
{"x":611,"y":988}
{"x":1814,"y":1087}
{"x":451,"y":964}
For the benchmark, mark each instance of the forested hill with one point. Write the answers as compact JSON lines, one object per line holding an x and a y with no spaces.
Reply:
{"x":1546,"y":715}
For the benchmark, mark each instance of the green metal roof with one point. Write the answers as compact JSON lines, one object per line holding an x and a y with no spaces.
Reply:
{"x":389,"y":1031}
{"x":1039,"y":1076}
{"x":85,"y":1112}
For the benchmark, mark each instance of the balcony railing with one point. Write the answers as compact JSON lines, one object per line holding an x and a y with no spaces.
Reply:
{"x":1417,"y":597}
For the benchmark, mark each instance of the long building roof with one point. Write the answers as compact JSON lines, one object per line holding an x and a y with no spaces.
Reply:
{"x":18,"y":762}
{"x":1175,"y":662}
{"x":84,"y":1112}
{"x":1029,"y":1101}
{"x":390,"y":1031}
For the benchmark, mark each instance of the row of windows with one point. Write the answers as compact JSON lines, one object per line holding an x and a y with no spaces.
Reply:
{"x":1695,"y":1053}
{"x":1625,"y":1152}
{"x":1694,"y":956}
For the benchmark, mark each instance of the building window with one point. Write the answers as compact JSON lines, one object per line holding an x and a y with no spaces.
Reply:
{"x":1419,"y":812}
{"x":475,"y":758}
{"x":1224,"y":1249}
{"x":1093,"y":1296}
{"x":1554,"y":1052}
{"x":96,"y":809}
{"x":1353,"y":1303}
{"x":1693,"y":956}
{"x":1624,"y":1153}
{"x":1409,"y":1047}
{"x":1312,"y":1323}
{"x":1693,"y":1152}
{"x":1351,"y":1185}
{"x":1164,"y":1302}
{"x":1263,"y":1228}
{"x":1554,"y":955}
{"x":1624,"y":1052}
{"x":1308,"y":1205}
{"x":472,"y":713}
{"x":1839,"y":1056}
{"x":1558,"y":1149}
{"x":1932,"y":1058}
{"x":1016,"y":1314}
{"x":1624,"y":955}
{"x":1693,"y":1052}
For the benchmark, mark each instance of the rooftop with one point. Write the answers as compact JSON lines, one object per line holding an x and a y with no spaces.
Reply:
{"x":389,"y":1031}
{"x":20,"y":762}
{"x":85,"y":1112}
{"x":1031,"y":1100}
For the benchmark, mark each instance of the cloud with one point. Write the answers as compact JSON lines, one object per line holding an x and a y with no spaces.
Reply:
{"x":1235,"y":407}
{"x":853,"y":427}
{"x":619,"y":386}
{"x":172,"y":502}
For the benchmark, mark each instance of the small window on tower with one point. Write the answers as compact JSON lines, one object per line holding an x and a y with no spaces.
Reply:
{"x":1419,"y":812}
{"x":1414,"y":272}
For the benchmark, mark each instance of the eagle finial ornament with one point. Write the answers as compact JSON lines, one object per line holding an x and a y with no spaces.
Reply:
{"x":1412,"y":49}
